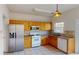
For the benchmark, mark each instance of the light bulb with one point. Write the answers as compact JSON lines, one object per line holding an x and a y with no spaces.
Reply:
{"x":57,"y":13}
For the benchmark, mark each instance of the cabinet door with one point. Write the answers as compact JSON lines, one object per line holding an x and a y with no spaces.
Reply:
{"x":43,"y":40}
{"x":48,"y":26}
{"x":27,"y":25}
{"x":16,"y":21}
{"x":71,"y":45}
{"x":52,"y":40}
{"x":62,"y":44}
{"x":27,"y":42}
{"x":42,"y":26}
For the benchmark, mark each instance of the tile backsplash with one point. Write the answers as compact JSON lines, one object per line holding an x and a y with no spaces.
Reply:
{"x":40,"y":32}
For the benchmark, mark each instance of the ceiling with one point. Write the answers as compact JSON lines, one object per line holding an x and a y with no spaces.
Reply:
{"x":29,"y":8}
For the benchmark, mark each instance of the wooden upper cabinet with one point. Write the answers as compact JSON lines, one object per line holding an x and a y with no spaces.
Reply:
{"x":12,"y":21}
{"x":45,"y":26}
{"x":16,"y":21}
{"x":26,"y":27}
{"x":28,"y":24}
{"x":48,"y":26}
{"x":42,"y":26}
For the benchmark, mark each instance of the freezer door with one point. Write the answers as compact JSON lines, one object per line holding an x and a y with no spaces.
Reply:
{"x":19,"y":37}
{"x":11,"y":44}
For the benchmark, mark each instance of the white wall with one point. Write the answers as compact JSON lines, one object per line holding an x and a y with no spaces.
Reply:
{"x":68,"y":18}
{"x":77,"y":36}
{"x":29,"y":17}
{"x":4,"y":17}
{"x":71,"y":18}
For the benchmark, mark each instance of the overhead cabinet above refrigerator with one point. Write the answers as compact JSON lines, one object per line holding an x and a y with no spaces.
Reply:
{"x":16,"y":41}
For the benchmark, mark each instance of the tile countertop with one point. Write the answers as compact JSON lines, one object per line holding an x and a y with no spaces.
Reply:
{"x":37,"y":35}
{"x":66,"y":34}
{"x":62,"y":37}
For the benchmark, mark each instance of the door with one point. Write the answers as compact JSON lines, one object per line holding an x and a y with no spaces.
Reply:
{"x":12,"y":38}
{"x":27,"y":42}
{"x":43,"y":40}
{"x":36,"y":41}
{"x":62,"y":44}
{"x":19,"y":37}
{"x":53,"y":41}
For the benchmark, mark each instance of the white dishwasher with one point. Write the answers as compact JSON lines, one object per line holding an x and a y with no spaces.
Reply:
{"x":62,"y":44}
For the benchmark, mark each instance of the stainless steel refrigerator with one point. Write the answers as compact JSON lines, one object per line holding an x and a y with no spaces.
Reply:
{"x":16,"y":41}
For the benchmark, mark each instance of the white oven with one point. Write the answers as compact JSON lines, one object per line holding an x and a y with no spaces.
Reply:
{"x":36,"y":41}
{"x":36,"y":38}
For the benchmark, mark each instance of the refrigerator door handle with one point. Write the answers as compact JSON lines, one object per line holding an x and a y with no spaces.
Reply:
{"x":12,"y":35}
{"x":15,"y":35}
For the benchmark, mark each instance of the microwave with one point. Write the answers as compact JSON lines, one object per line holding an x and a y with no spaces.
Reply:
{"x":34,"y":28}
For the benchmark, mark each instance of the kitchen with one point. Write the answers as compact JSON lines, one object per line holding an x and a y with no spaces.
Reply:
{"x":31,"y":31}
{"x":39,"y":34}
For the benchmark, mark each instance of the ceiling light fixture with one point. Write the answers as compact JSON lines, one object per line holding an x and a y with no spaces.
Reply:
{"x":57,"y":13}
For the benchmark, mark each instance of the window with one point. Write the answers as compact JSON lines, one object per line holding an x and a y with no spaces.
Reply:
{"x":59,"y":27}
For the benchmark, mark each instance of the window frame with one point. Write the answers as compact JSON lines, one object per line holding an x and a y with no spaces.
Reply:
{"x":59,"y":25}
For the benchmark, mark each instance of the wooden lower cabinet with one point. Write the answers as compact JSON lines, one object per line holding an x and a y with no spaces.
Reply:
{"x":52,"y":40}
{"x":27,"y":42}
{"x":44,"y":40}
{"x":71,"y":45}
{"x":66,"y":45}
